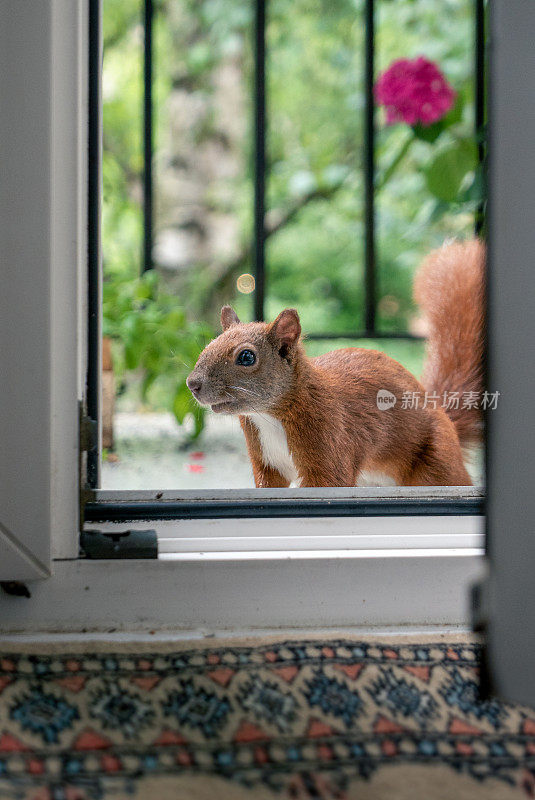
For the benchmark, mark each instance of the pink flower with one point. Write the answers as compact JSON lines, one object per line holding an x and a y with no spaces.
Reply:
{"x":414,"y":91}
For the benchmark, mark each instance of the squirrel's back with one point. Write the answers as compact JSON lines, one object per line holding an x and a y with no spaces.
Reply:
{"x":450,"y":289}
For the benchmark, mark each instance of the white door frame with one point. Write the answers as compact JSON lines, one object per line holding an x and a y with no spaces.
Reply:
{"x":43,"y":312}
{"x":42,"y":233}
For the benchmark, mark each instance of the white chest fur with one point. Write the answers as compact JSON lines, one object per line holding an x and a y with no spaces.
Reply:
{"x":369,"y":478}
{"x":274,"y":445}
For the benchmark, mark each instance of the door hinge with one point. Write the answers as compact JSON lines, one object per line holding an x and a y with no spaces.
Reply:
{"x":88,"y":443}
{"x":15,"y":588}
{"x":124,"y":544}
{"x":88,"y":433}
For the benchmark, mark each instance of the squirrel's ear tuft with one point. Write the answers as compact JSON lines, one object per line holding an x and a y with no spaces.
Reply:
{"x":228,"y":317}
{"x":286,"y":329}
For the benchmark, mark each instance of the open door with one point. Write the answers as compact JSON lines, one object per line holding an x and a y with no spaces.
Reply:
{"x":508,"y":599}
{"x":26,"y":187}
{"x":42,"y":152}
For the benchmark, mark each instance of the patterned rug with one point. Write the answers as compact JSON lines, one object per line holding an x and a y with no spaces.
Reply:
{"x":333,"y":718}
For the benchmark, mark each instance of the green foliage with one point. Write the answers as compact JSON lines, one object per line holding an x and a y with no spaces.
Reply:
{"x":153,"y":336}
{"x":449,"y":168}
{"x":451,"y":173}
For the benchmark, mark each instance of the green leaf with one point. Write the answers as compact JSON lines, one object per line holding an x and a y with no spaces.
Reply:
{"x":430,"y":133}
{"x":143,"y":291}
{"x":198,"y":418}
{"x":132,"y":356}
{"x":182,"y":403}
{"x":148,"y":380}
{"x":447,"y":171}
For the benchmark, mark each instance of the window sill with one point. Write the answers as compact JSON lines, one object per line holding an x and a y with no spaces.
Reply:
{"x":228,"y":591}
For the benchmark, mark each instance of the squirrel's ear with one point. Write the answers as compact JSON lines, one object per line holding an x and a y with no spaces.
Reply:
{"x":286,"y":329}
{"x":228,"y":317}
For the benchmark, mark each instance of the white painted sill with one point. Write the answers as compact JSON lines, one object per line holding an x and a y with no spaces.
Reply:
{"x":249,"y":574}
{"x":252,"y":591}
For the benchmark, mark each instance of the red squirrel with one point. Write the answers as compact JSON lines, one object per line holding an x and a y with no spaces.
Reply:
{"x":318,"y":421}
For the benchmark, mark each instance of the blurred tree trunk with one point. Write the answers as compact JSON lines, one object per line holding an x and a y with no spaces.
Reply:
{"x":201,"y":164}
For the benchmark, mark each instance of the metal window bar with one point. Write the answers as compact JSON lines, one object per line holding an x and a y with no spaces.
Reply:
{"x":92,"y":389}
{"x":259,"y":244}
{"x":479,"y":99}
{"x":148,"y":142}
{"x":370,"y":298}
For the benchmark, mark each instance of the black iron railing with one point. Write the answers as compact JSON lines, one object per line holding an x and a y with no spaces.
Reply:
{"x":260,"y":162}
{"x":479,"y":97}
{"x":148,"y":140}
{"x":259,"y":245}
{"x":369,"y":171}
{"x":94,"y":111}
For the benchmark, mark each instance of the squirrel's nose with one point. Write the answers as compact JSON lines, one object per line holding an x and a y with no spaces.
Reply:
{"x":194,"y":384}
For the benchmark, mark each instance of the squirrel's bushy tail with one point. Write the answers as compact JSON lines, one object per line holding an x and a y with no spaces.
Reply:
{"x":450,"y":289}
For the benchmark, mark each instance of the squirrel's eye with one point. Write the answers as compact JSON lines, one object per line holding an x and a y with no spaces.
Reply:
{"x":246,"y":358}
